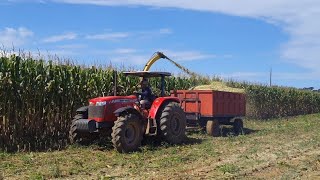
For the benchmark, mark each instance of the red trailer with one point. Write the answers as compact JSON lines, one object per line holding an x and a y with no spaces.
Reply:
{"x":211,"y":109}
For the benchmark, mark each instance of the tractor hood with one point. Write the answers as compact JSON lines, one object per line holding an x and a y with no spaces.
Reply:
{"x":114,"y":99}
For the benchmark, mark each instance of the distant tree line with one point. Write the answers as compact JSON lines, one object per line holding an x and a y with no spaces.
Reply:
{"x":310,"y":89}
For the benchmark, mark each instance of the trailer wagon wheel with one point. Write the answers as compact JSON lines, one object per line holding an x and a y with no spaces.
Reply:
{"x":213,"y":128}
{"x":238,"y":126}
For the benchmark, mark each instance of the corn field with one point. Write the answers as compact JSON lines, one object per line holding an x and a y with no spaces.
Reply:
{"x":39,"y":98}
{"x":266,"y":102}
{"x":273,"y":102}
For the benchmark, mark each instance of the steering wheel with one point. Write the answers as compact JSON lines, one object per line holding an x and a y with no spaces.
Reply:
{"x":138,"y":95}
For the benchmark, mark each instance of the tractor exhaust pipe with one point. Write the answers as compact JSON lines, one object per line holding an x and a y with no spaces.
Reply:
{"x":115,"y":77}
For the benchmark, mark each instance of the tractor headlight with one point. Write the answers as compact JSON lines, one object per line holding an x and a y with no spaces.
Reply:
{"x":101,"y":103}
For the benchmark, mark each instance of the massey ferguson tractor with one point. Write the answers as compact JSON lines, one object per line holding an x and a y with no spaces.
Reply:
{"x":130,"y":118}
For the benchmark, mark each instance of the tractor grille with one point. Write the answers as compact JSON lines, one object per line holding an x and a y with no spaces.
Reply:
{"x":96,"y":111}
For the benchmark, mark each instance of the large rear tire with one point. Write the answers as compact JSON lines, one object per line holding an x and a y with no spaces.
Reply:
{"x":173,"y":123}
{"x":127,"y":133}
{"x":213,"y":128}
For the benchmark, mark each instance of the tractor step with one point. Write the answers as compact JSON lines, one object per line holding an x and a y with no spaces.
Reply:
{"x":192,"y":116}
{"x":151,"y":127}
{"x":192,"y":128}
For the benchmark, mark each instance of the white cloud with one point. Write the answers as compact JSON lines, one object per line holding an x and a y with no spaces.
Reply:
{"x":61,"y":37}
{"x":114,"y":36}
{"x":296,"y":76}
{"x":108,"y":36}
{"x":257,"y":77}
{"x":300,"y":19}
{"x":165,"y":31}
{"x":187,"y":55}
{"x":130,"y":59}
{"x":72,"y":46}
{"x":15,"y":1}
{"x":151,"y":34}
{"x":279,"y":77}
{"x":244,"y":75}
{"x":135,"y":57}
{"x":62,"y":53}
{"x":14,"y":37}
{"x":53,"y":53}
{"x":124,"y":51}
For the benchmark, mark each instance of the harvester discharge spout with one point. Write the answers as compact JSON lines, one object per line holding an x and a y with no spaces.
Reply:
{"x":159,"y":55}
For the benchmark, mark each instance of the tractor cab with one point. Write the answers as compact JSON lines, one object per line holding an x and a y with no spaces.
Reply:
{"x":146,"y":96}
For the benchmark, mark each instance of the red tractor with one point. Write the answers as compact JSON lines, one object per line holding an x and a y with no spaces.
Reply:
{"x":130,"y":118}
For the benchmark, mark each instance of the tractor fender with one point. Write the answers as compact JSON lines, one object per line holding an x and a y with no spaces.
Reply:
{"x":82,"y":109}
{"x":127,"y":109}
{"x":158,"y":103}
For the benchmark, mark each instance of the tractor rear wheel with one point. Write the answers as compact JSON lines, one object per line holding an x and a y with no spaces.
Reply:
{"x":238,"y":127}
{"x":127,"y":133}
{"x":173,"y":123}
{"x":213,"y":128}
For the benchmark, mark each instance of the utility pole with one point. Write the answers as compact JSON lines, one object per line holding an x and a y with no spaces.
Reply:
{"x":270,"y":77}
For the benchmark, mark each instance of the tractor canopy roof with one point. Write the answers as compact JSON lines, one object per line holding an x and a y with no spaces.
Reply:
{"x":147,"y":74}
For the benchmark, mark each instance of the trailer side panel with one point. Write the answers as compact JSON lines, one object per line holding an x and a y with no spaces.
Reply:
{"x":209,"y":103}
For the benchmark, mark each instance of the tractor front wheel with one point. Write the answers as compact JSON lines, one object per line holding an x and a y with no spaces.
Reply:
{"x":173,"y":123}
{"x":127,"y":133}
{"x":77,"y":137}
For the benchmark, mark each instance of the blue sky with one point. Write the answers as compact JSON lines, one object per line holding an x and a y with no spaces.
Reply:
{"x":234,"y":39}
